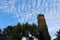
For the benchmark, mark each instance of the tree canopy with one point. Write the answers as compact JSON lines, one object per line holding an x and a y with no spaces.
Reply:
{"x":18,"y":31}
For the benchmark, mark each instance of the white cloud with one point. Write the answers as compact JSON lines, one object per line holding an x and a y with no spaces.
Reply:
{"x":54,"y":28}
{"x":34,"y":3}
{"x":38,"y":3}
{"x":28,"y":15}
{"x":23,"y":5}
{"x":54,"y":37}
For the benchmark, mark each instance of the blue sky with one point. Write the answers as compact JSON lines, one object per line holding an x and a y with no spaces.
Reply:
{"x":14,"y":11}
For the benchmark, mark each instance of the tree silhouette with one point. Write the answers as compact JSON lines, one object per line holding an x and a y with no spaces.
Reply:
{"x":18,"y":31}
{"x":1,"y":35}
{"x":58,"y":36}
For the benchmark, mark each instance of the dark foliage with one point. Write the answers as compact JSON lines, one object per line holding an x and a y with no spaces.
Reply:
{"x":18,"y":31}
{"x":58,"y":36}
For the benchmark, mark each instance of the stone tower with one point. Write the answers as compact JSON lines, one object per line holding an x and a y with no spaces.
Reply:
{"x":42,"y":26}
{"x":41,"y":19}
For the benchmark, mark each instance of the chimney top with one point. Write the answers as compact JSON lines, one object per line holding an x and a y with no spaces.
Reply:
{"x":40,"y":15}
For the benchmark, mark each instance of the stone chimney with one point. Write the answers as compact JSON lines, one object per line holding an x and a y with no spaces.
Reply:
{"x":41,"y":19}
{"x":43,"y":26}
